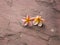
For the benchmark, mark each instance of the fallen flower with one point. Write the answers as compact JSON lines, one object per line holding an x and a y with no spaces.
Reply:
{"x":38,"y":20}
{"x":27,"y":21}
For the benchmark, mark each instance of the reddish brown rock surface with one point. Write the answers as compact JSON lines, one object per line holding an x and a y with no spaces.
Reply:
{"x":13,"y":33}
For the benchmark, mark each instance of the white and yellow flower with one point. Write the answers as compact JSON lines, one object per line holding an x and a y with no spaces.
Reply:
{"x":27,"y":21}
{"x":38,"y":20}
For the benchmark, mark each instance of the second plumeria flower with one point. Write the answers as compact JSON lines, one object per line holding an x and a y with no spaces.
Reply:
{"x":38,"y":20}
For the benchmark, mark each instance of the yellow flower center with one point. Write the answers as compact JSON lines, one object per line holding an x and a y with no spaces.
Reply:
{"x":38,"y":20}
{"x":27,"y":20}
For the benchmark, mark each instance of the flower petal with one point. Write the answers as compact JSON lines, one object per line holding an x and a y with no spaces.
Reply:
{"x":25,"y":24}
{"x":35,"y":23}
{"x":23,"y":20}
{"x":32,"y":18}
{"x":30,"y":24}
{"x":40,"y":24}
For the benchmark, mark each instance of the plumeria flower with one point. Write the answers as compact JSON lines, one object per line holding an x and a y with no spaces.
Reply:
{"x":27,"y":21}
{"x":38,"y":21}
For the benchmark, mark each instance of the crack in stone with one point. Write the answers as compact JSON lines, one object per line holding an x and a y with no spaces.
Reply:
{"x":55,"y":36}
{"x":45,"y":2}
{"x":54,"y":4}
{"x":51,"y":4}
{"x":56,"y":10}
{"x":9,"y":35}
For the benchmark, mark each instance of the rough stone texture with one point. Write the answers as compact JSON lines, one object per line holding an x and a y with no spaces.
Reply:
{"x":57,"y":5}
{"x":13,"y":33}
{"x":32,"y":41}
{"x":54,"y":41}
